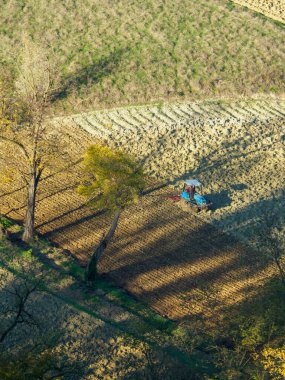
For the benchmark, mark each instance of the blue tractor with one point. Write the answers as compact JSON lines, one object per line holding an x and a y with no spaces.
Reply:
{"x":192,"y":197}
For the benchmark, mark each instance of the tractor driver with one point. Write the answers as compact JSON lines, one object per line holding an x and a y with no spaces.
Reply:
{"x":191,"y":191}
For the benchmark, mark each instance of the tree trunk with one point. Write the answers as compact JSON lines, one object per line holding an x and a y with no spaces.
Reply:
{"x":2,"y":233}
{"x":281,"y":271}
{"x":29,"y":222}
{"x":91,"y":269}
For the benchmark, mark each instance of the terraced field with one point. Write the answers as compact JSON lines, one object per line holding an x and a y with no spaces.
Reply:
{"x":274,"y":8}
{"x":173,"y":260}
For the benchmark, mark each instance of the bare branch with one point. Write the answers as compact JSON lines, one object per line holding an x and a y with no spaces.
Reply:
{"x":18,"y":144}
{"x":21,"y":292}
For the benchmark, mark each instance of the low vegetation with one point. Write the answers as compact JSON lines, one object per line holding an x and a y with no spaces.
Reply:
{"x":143,"y":51}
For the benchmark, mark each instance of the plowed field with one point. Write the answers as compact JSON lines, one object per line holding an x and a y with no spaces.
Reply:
{"x":236,"y":149}
{"x":274,"y":9}
{"x":176,"y":262}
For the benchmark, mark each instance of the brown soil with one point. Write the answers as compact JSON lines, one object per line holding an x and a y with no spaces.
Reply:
{"x":169,"y":258}
{"x":179,"y":264}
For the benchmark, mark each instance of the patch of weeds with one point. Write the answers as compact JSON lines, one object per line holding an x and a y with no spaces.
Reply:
{"x":27,"y":255}
{"x":5,"y":250}
{"x":94,"y":299}
{"x":265,"y":18}
{"x":6,"y":223}
{"x":230,"y":5}
{"x":75,"y":269}
{"x":279,"y":24}
{"x":273,"y":89}
{"x":142,"y":77}
{"x":160,"y":106}
{"x":162,"y":323}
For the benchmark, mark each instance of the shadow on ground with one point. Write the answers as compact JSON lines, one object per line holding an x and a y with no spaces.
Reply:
{"x":91,"y":74}
{"x":219,"y":200}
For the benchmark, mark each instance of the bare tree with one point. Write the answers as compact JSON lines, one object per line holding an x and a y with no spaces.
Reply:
{"x":31,"y":143}
{"x":14,"y":308}
{"x":24,"y":354}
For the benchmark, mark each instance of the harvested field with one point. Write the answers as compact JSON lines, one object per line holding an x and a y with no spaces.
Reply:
{"x":176,"y":262}
{"x":274,"y":9}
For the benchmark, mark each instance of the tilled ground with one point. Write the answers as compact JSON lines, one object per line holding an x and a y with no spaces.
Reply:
{"x":274,"y":8}
{"x":236,"y":150}
{"x":176,"y":262}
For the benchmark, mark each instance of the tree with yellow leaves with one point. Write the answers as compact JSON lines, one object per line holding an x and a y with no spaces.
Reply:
{"x":113,"y":181}
{"x":273,"y":360}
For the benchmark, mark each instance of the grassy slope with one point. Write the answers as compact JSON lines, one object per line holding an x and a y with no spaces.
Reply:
{"x":140,"y":51}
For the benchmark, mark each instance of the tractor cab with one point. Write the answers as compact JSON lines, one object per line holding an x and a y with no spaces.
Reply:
{"x":192,"y":195}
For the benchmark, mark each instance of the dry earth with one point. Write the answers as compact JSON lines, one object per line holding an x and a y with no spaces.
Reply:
{"x":271,"y":8}
{"x":171,"y":259}
{"x":235,"y":149}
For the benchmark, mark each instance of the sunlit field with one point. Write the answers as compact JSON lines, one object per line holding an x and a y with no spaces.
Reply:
{"x":144,"y":51}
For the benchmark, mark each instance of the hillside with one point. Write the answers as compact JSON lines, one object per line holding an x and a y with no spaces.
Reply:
{"x":170,"y":90}
{"x":221,"y":293}
{"x":145,"y":51}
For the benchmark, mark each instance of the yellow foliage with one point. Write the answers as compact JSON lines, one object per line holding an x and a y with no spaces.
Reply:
{"x":273,"y":360}
{"x":114,"y":179}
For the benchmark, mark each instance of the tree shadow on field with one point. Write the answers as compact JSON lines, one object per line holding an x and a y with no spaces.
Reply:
{"x":219,"y":200}
{"x":91,"y":74}
{"x":170,"y":254}
{"x":249,"y":220}
{"x":45,"y":178}
{"x":169,"y":257}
